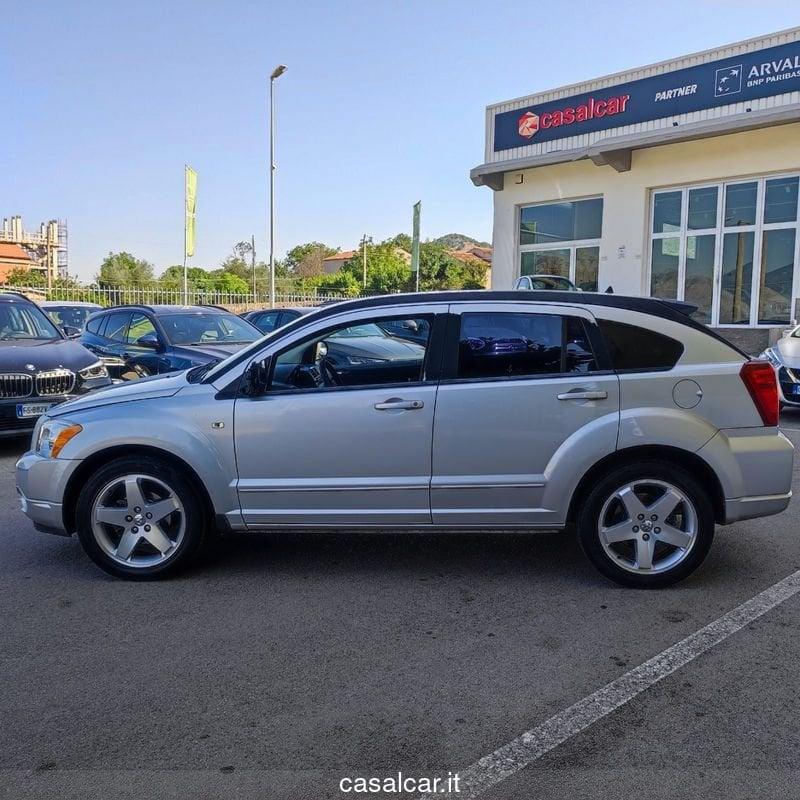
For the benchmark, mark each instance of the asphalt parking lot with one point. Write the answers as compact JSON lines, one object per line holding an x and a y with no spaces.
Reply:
{"x":284,"y":663}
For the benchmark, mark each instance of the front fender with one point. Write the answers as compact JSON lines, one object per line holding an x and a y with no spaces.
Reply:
{"x":191,"y":426}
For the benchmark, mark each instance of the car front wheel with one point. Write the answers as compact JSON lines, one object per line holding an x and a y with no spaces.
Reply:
{"x":646,"y":525}
{"x":140,"y":518}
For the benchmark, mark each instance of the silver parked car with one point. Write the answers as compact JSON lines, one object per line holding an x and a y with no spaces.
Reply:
{"x":784,"y":356}
{"x":620,"y":417}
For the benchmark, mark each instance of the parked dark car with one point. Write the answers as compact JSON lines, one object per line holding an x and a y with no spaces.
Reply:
{"x":70,"y":316}
{"x":149,"y":340}
{"x":270,"y":319}
{"x":39,"y":366}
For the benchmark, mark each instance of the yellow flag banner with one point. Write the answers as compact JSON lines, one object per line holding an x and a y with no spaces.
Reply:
{"x":191,"y":198}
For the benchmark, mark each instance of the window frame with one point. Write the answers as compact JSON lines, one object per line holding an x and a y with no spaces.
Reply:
{"x":568,"y":244}
{"x":431,"y":364}
{"x":720,"y":231}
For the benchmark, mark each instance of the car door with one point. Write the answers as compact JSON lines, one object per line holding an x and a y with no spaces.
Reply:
{"x":343,"y":434}
{"x":148,"y":360}
{"x":112,"y":340}
{"x":524,"y":407}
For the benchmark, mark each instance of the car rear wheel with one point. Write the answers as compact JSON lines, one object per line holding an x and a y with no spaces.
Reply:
{"x":647,"y":525}
{"x":140,"y":518}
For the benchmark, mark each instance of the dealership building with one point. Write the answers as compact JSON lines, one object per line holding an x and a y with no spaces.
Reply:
{"x":675,"y":180}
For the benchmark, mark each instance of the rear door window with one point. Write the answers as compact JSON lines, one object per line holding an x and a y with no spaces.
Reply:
{"x":117,"y":325}
{"x":632,"y":348}
{"x":513,"y":345}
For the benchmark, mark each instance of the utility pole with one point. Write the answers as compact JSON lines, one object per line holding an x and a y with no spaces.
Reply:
{"x":253,"y":262}
{"x":276,"y":73}
{"x":364,"y":241}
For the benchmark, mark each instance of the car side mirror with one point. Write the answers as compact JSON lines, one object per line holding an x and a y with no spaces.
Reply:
{"x":149,"y":340}
{"x":70,"y":331}
{"x":255,"y":380}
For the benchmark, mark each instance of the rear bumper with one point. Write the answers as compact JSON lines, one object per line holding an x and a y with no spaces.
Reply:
{"x":754,"y":467}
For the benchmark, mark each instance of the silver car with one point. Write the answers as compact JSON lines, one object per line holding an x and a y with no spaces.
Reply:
{"x":784,"y":356}
{"x":618,"y":417}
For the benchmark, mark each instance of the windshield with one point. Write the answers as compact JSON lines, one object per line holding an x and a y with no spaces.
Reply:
{"x":74,"y":316}
{"x":23,"y":321}
{"x":358,"y":331}
{"x":208,"y":328}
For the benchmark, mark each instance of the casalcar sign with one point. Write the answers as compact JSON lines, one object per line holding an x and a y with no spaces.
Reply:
{"x":763,"y":73}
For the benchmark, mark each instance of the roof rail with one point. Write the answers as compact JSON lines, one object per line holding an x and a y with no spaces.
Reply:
{"x":211,"y":305}
{"x":129,"y":305}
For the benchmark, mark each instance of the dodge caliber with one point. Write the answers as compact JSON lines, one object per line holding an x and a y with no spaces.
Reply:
{"x":619,"y":418}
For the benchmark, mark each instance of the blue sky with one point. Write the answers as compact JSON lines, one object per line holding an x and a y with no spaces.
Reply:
{"x":382,"y":105}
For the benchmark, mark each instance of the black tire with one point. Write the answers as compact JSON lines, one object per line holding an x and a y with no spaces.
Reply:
{"x":588,"y":523}
{"x":196,"y":517}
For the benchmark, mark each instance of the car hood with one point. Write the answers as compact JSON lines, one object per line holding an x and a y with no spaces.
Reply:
{"x":789,"y":350}
{"x":143,"y":389}
{"x":16,"y":356}
{"x":198,"y":353}
{"x":390,"y":348}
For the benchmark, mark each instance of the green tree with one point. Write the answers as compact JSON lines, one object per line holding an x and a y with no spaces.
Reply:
{"x":25,"y":277}
{"x":341,"y":284}
{"x":440,"y":270}
{"x":387,"y":270}
{"x":123,"y":269}
{"x":402,"y":240}
{"x":305,"y":260}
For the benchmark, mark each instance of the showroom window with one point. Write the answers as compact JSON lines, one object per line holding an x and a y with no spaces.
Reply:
{"x":562,"y":239}
{"x":729,"y":248}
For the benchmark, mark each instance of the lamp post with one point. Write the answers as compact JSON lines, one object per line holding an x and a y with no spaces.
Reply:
{"x":365,"y":240}
{"x":276,"y":73}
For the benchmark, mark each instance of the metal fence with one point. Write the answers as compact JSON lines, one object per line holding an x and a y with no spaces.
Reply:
{"x":157,"y":295}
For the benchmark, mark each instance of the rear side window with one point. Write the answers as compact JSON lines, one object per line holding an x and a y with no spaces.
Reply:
{"x":633,"y":348}
{"x":93,"y":326}
{"x":117,"y":323}
{"x":511,"y":345}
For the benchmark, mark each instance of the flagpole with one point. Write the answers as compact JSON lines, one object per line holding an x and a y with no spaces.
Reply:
{"x":185,"y":243}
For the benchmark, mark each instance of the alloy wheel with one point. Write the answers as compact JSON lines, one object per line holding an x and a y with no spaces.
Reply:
{"x":648,"y":526}
{"x":138,"y":520}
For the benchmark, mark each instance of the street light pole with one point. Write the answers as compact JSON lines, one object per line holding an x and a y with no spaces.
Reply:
{"x":276,"y":73}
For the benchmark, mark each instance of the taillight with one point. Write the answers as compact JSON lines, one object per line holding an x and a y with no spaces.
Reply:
{"x":759,"y":378}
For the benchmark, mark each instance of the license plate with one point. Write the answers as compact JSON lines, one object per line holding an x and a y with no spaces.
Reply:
{"x":27,"y":410}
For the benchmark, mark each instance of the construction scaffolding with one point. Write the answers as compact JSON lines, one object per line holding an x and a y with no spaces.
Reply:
{"x":47,"y":247}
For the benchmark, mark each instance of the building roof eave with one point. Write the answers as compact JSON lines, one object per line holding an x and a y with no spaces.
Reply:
{"x":615,"y":151}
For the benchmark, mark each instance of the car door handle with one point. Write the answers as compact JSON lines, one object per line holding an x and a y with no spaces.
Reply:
{"x":584,"y":394}
{"x":397,"y":404}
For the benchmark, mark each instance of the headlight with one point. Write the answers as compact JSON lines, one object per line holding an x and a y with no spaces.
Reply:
{"x":772,"y":355}
{"x":366,"y":360}
{"x":96,"y":370}
{"x":54,"y":435}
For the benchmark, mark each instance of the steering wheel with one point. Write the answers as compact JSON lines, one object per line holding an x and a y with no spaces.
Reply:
{"x":329,"y":373}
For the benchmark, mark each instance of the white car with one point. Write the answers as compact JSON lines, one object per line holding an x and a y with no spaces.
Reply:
{"x":784,"y":356}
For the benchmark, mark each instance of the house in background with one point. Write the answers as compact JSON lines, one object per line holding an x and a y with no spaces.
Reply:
{"x":473,"y":252}
{"x":13,"y":257}
{"x":334,"y":263}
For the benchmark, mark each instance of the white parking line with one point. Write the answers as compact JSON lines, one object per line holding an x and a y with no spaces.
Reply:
{"x":525,"y":749}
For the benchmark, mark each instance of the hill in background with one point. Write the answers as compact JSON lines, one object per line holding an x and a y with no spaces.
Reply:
{"x":458,"y":241}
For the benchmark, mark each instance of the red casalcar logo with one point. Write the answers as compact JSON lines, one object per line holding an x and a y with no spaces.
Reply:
{"x":528,"y":124}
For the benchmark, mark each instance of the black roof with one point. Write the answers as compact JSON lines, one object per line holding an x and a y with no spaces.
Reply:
{"x":665,"y":309}
{"x":13,"y":297}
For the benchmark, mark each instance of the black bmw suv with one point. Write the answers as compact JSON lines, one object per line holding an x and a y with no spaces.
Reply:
{"x":39,"y":366}
{"x":137,"y":341}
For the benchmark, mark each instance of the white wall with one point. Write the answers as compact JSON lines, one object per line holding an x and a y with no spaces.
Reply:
{"x":626,"y":195}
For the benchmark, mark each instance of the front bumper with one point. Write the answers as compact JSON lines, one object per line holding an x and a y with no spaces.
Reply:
{"x":41,"y":483}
